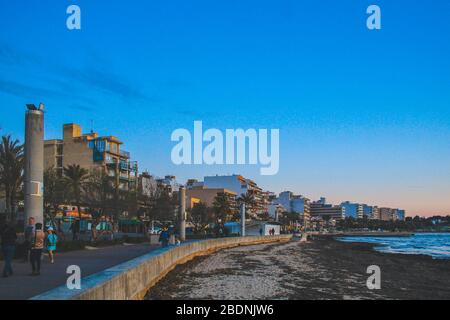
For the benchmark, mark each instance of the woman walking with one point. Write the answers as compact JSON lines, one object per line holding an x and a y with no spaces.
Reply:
{"x":51,"y":240}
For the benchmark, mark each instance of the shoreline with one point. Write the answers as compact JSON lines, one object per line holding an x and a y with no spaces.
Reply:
{"x":318,"y":269}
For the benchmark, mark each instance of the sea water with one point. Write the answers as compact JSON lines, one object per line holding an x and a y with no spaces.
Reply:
{"x":436,"y":245}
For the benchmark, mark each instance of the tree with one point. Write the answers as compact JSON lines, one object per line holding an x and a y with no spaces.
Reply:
{"x":201,"y":216}
{"x":98,"y":192}
{"x":164,"y":207}
{"x":75,"y":178}
{"x":222,"y":207}
{"x":54,"y":192}
{"x":249,"y":200}
{"x":11,"y":172}
{"x":98,"y":197}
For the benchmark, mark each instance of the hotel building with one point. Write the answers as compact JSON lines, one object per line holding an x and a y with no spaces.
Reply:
{"x":320,"y":209}
{"x":354,"y":210}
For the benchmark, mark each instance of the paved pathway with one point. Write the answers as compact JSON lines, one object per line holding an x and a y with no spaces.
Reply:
{"x":23,"y":286}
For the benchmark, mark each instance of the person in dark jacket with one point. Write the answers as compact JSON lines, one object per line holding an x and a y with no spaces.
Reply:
{"x":29,"y":232}
{"x":164,"y":237}
{"x":9,"y":237}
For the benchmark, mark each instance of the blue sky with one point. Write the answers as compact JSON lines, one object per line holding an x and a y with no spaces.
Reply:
{"x":363,"y":115}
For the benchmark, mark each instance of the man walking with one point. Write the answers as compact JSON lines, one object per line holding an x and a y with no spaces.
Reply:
{"x":29,"y":232}
{"x":37,"y":244}
{"x":9,"y":237}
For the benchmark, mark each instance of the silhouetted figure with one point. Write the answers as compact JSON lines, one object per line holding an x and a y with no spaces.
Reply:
{"x":37,"y":244}
{"x":29,"y":232}
{"x":8,"y":237}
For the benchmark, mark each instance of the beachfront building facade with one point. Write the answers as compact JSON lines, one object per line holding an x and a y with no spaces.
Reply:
{"x":386,"y":214}
{"x":168,"y":184}
{"x":322,"y":210}
{"x":401,"y":214}
{"x":207,"y":196}
{"x":92,"y":152}
{"x":389,"y":214}
{"x":193,"y":183}
{"x":241,"y":186}
{"x":275,"y":211}
{"x":294,"y":204}
{"x":353,"y":210}
{"x":370,"y":212}
{"x":147,"y":185}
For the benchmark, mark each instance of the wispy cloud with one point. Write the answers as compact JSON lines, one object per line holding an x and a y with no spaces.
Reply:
{"x":21,"y":90}
{"x":65,"y":78}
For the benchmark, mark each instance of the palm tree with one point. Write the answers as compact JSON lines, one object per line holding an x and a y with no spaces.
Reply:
{"x":75,"y":178}
{"x":222,"y":207}
{"x":249,"y":200}
{"x":11,"y":171}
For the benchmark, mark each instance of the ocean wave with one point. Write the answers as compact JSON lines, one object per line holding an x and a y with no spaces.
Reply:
{"x":436,"y":245}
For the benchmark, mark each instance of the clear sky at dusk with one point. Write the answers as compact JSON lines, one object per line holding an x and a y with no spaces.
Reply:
{"x":363,"y":115}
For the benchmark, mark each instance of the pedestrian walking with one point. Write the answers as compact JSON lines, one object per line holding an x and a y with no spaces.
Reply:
{"x":8,"y":237}
{"x":51,"y":241}
{"x":75,"y":228}
{"x":164,"y":237}
{"x":28,"y":234}
{"x":37,"y":245}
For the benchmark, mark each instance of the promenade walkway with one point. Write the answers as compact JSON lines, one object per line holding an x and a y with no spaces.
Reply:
{"x":23,"y":286}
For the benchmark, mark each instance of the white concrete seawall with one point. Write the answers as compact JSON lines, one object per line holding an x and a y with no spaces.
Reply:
{"x":132,"y":279}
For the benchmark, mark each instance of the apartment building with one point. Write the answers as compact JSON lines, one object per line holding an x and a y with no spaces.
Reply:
{"x":241,"y":186}
{"x":92,"y":152}
{"x":294,"y":203}
{"x":321,"y":209}
{"x":208,"y":195}
{"x":169,"y":184}
{"x":401,"y":214}
{"x":354,"y":210}
{"x":386,"y":214}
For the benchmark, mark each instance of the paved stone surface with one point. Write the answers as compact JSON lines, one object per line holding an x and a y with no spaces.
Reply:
{"x":23,"y":286}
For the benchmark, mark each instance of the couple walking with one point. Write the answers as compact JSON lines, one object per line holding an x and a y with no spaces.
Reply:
{"x":35,"y":241}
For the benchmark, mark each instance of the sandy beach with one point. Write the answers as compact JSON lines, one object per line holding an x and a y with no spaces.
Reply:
{"x":318,"y":269}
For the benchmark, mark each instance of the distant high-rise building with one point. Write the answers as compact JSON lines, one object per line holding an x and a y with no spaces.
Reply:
{"x":401,"y":214}
{"x":386,"y":214}
{"x":295,"y":204}
{"x":354,"y":210}
{"x":320,"y":209}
